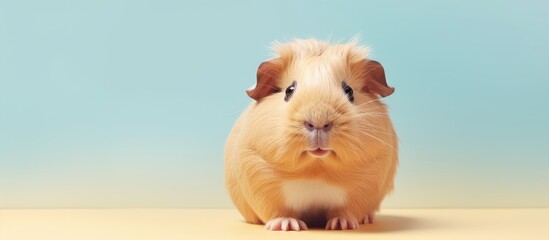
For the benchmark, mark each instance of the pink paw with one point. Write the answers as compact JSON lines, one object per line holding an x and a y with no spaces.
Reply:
{"x":285,"y":224}
{"x":369,"y":218}
{"x":342,"y":223}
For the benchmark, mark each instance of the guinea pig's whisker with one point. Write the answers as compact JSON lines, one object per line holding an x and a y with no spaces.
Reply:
{"x":368,"y":102}
{"x":373,"y":100}
{"x":368,"y":123}
{"x":355,"y":141}
{"x":370,"y":108}
{"x":374,"y":137}
{"x":361,"y":111}
{"x":359,"y":114}
{"x":350,"y":136}
{"x":369,"y":132}
{"x":371,"y":114}
{"x":373,"y":107}
{"x":367,"y":114}
{"x":373,"y":130}
{"x":376,"y":130}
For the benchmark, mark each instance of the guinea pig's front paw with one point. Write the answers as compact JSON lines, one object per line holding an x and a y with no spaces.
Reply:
{"x":285,"y":224}
{"x":342,"y":223}
{"x":369,"y":218}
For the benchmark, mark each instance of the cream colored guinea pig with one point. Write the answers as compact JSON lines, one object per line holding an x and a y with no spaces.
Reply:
{"x":316,"y":147}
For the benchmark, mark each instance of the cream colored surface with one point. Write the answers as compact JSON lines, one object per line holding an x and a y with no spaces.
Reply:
{"x":161,"y":224}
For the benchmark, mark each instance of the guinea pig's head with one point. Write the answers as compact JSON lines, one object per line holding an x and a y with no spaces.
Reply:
{"x":326,"y":100}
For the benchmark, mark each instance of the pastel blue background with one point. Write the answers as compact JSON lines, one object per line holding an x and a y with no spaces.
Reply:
{"x":128,"y":103}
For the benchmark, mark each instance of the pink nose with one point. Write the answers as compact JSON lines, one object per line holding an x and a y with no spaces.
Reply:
{"x":311,"y":127}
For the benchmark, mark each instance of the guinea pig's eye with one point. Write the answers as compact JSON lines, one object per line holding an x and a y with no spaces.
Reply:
{"x":348,"y":91}
{"x":289,"y":91}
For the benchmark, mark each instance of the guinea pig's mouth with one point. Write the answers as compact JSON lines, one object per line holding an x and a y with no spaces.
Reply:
{"x":319,"y":152}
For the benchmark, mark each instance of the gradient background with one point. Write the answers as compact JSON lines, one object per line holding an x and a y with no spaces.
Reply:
{"x":128,"y":103}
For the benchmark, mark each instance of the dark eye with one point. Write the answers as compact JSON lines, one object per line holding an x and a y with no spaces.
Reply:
{"x":289,"y":91}
{"x":348,"y":91}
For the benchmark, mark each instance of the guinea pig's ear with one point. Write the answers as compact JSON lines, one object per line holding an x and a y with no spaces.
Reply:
{"x":374,"y":78}
{"x":268,"y":73}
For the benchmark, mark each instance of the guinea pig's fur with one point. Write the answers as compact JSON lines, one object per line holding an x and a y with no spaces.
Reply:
{"x":271,"y":173}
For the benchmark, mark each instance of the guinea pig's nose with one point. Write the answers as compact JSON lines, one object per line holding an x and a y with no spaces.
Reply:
{"x":311,"y":127}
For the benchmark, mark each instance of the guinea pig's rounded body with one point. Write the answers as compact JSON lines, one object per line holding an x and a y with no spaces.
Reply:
{"x":316,"y":147}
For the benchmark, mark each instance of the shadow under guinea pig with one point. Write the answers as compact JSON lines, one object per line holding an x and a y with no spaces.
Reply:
{"x":382,"y":223}
{"x":392,"y":223}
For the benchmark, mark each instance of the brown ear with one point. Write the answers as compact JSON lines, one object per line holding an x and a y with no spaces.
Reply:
{"x":268,"y":73}
{"x":374,"y":78}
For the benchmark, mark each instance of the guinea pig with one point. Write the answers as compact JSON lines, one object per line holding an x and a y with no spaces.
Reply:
{"x":315,"y":147}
